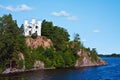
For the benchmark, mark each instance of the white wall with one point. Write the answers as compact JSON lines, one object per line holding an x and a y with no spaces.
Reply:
{"x":33,"y":29}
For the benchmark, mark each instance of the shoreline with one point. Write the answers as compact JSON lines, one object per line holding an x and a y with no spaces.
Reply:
{"x":17,"y":71}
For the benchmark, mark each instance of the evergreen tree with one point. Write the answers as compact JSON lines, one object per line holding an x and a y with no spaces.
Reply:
{"x":11,"y":39}
{"x":93,"y":55}
{"x":76,"y":37}
{"x":22,"y":28}
{"x":58,"y":35}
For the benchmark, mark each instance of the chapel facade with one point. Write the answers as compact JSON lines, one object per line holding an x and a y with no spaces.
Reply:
{"x":32,"y":27}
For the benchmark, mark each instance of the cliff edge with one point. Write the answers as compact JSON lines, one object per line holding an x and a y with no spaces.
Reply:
{"x":39,"y":41}
{"x":86,"y":60}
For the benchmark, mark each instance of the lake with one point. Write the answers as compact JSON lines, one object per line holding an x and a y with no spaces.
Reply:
{"x":109,"y":72}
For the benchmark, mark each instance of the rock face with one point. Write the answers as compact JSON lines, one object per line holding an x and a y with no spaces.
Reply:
{"x":11,"y":70}
{"x":38,"y":64}
{"x":21,"y":57}
{"x":39,"y":41}
{"x":14,"y":68}
{"x":85,"y":60}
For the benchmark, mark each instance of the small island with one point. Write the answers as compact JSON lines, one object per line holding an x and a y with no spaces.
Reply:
{"x":41,"y":46}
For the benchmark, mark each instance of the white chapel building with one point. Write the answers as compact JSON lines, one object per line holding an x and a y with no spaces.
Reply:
{"x":32,"y":27}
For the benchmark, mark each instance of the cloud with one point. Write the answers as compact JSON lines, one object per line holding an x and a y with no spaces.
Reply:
{"x":96,"y":30}
{"x":65,"y":14}
{"x":61,"y":13}
{"x":18,"y":8}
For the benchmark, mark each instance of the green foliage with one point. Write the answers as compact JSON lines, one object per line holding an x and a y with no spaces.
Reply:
{"x":58,"y":35}
{"x":93,"y":55}
{"x":69,"y":58}
{"x":62,"y":54}
{"x":28,"y":58}
{"x":34,"y":35}
{"x":22,"y":28}
{"x":58,"y":61}
{"x":33,"y":54}
{"x":52,"y":58}
{"x":21,"y":64}
{"x":74,"y":46}
{"x":11,"y":40}
{"x":76,"y":37}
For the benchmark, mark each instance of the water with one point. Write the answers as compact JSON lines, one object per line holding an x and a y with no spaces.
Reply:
{"x":109,"y":72}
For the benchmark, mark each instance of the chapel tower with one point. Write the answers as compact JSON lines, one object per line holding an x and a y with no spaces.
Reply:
{"x":32,"y":27}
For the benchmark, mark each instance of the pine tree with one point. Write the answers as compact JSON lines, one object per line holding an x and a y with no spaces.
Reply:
{"x":11,"y":40}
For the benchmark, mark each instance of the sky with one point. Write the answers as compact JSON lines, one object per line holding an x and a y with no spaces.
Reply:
{"x":97,"y":21}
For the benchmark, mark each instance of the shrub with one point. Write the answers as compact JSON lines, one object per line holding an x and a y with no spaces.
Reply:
{"x":34,"y":36}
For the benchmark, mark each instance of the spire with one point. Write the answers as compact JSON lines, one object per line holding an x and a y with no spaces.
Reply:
{"x":26,"y":22}
{"x":33,"y":21}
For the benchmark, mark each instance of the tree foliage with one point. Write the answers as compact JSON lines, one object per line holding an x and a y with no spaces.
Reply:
{"x":22,"y":28}
{"x":93,"y":55}
{"x":11,"y":40}
{"x":76,"y":37}
{"x":58,"y":35}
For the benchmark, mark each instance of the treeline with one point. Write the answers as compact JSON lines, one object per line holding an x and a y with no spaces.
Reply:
{"x":109,"y":55}
{"x":62,"y":54}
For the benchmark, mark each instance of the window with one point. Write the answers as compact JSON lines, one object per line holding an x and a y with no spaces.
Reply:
{"x":29,"y":27}
{"x":36,"y":27}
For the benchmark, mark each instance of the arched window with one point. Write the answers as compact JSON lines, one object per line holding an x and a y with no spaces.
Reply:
{"x":36,"y":27}
{"x":29,"y":27}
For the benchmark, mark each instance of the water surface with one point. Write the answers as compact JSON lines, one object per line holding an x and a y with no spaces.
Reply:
{"x":109,"y":72}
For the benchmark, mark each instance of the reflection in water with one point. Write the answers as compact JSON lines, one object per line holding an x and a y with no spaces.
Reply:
{"x":109,"y":72}
{"x":60,"y":74}
{"x":11,"y":78}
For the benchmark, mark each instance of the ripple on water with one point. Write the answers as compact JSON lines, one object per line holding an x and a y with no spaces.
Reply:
{"x":109,"y":72}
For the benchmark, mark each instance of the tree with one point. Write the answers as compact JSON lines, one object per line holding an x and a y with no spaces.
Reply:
{"x":69,"y":58}
{"x":11,"y":39}
{"x":76,"y":37}
{"x":93,"y":55}
{"x":75,"y":45}
{"x":22,"y":28}
{"x":58,"y":35}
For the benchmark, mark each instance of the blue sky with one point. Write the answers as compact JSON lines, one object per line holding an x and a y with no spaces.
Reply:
{"x":97,"y":21}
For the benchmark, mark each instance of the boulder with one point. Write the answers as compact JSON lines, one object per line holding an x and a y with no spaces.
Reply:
{"x":38,"y":64}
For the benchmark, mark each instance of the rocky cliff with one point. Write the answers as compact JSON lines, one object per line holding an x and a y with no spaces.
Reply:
{"x":85,"y":60}
{"x":32,"y":43}
{"x":39,"y":41}
{"x":84,"y":57}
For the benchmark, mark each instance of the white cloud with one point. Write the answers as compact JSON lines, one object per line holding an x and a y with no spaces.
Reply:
{"x":61,"y":13}
{"x":22,"y":7}
{"x":96,"y":30}
{"x":65,"y":14}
